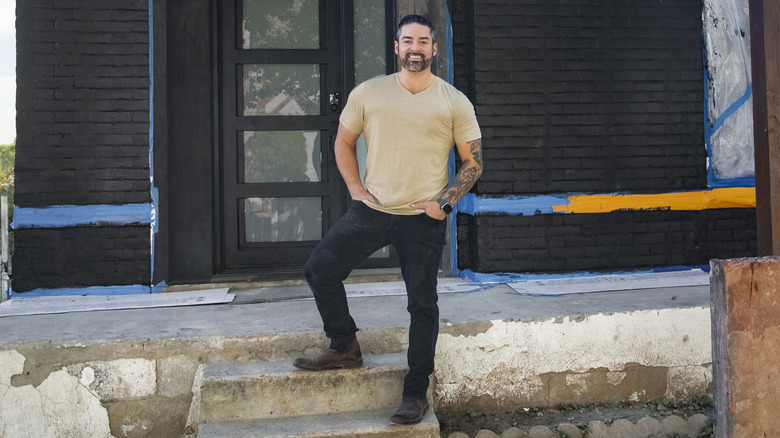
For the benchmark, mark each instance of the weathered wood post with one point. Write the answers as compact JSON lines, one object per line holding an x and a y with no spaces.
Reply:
{"x":746,"y":346}
{"x":765,"y":54}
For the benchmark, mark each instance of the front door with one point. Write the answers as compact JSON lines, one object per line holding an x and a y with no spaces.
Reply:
{"x":284,"y":80}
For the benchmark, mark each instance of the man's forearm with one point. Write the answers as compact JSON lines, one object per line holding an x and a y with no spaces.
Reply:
{"x":346,"y":161}
{"x":467,"y":175}
{"x":349,"y":170}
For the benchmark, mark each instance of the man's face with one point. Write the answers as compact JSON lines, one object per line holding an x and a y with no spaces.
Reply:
{"x":415,"y":47}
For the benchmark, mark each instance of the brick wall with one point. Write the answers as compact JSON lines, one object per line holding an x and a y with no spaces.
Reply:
{"x":82,"y":102}
{"x":590,"y":97}
{"x":82,"y":131}
{"x":630,"y":240}
{"x":81,"y":257}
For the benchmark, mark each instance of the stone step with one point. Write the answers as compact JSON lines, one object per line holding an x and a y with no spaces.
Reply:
{"x":359,"y":424}
{"x":262,"y":390}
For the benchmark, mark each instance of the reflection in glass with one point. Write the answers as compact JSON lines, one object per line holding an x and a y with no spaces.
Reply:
{"x":282,"y":156}
{"x":281,"y":90}
{"x":281,"y":24}
{"x":282,"y":219}
{"x":370,"y":61}
{"x":369,"y":54}
{"x":370,"y":39}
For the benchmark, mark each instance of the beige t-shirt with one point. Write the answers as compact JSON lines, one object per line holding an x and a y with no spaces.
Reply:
{"x":409,"y":138}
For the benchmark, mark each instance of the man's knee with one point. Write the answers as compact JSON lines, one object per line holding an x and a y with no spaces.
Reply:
{"x":311,"y":271}
{"x":319,"y":269}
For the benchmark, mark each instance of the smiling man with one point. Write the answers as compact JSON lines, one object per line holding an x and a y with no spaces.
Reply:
{"x":411,"y":120}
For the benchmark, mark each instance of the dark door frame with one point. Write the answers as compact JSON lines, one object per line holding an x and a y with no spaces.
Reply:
{"x":236,"y":255}
{"x":185,"y":116}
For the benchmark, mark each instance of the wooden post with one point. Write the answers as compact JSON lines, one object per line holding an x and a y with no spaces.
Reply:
{"x":744,"y":296}
{"x":765,"y":45}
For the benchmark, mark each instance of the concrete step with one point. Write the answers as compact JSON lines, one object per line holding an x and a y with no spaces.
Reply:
{"x":359,"y":424}
{"x":261,"y":390}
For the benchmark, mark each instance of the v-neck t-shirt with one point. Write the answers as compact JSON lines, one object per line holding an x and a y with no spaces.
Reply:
{"x":409,"y":138}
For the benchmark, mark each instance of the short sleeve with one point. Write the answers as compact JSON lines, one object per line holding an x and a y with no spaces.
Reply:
{"x":465,"y":127}
{"x":352,"y":116}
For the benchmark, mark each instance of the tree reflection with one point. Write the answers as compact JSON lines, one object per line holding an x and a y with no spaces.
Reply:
{"x":275,"y":156}
{"x":281,"y":89}
{"x":370,"y":39}
{"x":292,"y":89}
{"x":281,"y":24}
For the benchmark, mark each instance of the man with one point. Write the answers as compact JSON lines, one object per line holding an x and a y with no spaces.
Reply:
{"x":410,"y":120}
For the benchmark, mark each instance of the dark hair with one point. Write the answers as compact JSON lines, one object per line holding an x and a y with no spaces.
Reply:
{"x":419,"y":19}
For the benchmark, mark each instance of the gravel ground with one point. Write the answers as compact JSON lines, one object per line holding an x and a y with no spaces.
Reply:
{"x":577,"y":415}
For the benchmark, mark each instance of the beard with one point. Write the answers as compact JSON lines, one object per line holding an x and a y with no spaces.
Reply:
{"x":415,"y":66}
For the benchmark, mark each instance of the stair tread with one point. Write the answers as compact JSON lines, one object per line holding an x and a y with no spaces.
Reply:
{"x":361,"y":423}
{"x":257,"y":390}
{"x":227,"y":371}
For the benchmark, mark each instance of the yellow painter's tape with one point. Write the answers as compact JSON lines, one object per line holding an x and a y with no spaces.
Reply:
{"x":731,"y":197}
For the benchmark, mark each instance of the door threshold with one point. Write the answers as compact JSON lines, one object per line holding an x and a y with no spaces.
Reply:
{"x":239,"y":282}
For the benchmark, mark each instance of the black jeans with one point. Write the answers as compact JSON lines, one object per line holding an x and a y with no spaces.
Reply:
{"x":419,"y":240}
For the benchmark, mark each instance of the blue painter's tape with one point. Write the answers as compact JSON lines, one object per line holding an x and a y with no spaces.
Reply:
{"x":453,"y":223}
{"x":59,"y":216}
{"x":733,"y":108}
{"x":721,"y":183}
{"x":135,"y":289}
{"x":514,"y":205}
{"x":153,"y":214}
{"x":709,"y":131}
{"x":705,"y":268}
{"x":505,"y":277}
{"x":508,"y":277}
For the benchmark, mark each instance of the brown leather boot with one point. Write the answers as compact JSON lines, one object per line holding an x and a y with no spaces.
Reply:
{"x":411,"y":411}
{"x":331,"y":359}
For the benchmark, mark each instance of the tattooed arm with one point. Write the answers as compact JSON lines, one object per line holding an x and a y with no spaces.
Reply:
{"x":469,"y":172}
{"x":471,"y":157}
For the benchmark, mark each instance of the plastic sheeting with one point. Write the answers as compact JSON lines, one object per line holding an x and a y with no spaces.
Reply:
{"x":729,"y":103}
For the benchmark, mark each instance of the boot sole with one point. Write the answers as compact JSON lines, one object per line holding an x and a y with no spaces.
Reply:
{"x":331,"y":366}
{"x":409,"y":422}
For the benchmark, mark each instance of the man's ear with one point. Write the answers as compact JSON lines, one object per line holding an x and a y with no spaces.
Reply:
{"x":435,"y":48}
{"x":395,"y":44}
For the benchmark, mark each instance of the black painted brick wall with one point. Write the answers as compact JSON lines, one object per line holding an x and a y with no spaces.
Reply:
{"x":593,"y":96}
{"x":81,"y":257}
{"x":639,"y":239}
{"x":82,"y":137}
{"x":82,"y":102}
{"x":585,"y":95}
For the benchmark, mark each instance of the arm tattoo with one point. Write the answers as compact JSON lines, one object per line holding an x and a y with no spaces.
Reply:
{"x":468,"y":173}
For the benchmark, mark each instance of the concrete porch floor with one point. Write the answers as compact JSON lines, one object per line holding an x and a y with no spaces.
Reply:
{"x":497,"y":350}
{"x":289,"y":310}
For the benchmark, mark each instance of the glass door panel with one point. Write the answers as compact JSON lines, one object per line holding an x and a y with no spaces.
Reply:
{"x":370,"y":61}
{"x":280,"y":89}
{"x":280,"y":189}
{"x":282,"y":156}
{"x":280,"y":24}
{"x":370,"y":39}
{"x":282,"y":219}
{"x":286,"y":67}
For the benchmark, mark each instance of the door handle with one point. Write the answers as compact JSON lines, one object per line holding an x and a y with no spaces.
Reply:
{"x":334,"y":102}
